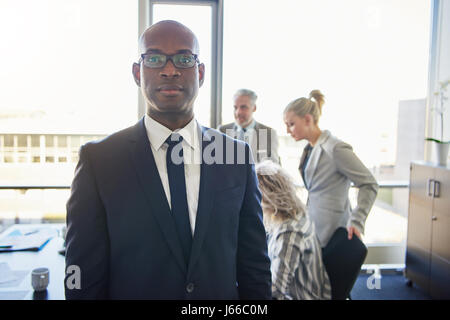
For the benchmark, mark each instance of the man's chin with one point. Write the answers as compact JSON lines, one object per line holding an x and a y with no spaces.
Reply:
{"x":242,"y":124}
{"x":170,"y":108}
{"x":173,"y":109}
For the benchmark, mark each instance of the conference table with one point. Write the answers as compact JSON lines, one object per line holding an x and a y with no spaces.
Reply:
{"x":19,"y":264}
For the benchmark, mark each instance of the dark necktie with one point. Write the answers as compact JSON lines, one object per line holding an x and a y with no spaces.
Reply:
{"x":242,"y":134}
{"x":178,"y":198}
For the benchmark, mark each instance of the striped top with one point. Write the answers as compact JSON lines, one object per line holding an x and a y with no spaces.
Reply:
{"x":298,"y":272}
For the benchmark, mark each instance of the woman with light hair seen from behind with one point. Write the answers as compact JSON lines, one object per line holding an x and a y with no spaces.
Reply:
{"x":328,"y":166}
{"x":297,"y":269}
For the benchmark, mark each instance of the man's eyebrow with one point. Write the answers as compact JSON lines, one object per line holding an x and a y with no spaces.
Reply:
{"x":185,"y":51}
{"x":151,"y":50}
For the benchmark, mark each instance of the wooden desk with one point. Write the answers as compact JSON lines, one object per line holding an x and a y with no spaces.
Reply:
{"x":47,"y":257}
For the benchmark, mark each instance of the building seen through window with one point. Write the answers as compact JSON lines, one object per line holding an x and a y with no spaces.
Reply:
{"x":66,"y":80}
{"x":29,"y":148}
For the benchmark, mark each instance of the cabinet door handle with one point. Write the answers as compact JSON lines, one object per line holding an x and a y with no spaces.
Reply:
{"x":434,"y":218}
{"x":429,"y":192}
{"x":436,"y":189}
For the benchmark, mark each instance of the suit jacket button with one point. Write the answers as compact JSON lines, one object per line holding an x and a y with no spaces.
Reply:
{"x":190,"y":287}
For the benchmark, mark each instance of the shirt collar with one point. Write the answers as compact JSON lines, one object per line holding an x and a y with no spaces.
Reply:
{"x":251,"y":126}
{"x":158,"y":134}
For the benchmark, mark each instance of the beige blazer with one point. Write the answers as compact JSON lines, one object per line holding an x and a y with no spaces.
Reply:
{"x":264,"y":142}
{"x":329,"y":172}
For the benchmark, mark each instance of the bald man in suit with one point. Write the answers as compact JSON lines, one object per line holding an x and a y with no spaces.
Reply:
{"x":146,"y":222}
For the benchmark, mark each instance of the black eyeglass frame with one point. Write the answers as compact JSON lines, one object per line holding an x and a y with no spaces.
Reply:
{"x":169,"y":57}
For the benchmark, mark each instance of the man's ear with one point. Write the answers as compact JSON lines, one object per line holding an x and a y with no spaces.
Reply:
{"x":254,"y":108}
{"x":201,"y":74}
{"x":137,"y":73}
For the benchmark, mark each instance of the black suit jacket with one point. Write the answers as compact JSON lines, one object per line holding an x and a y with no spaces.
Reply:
{"x":122,"y":236}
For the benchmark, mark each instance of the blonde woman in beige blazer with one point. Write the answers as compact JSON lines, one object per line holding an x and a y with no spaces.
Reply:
{"x":328,"y":167}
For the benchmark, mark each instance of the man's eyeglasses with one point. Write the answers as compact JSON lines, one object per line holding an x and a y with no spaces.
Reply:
{"x":159,"y":60}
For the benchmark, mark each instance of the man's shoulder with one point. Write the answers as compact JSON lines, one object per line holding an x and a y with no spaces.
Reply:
{"x":227,"y":126}
{"x":259,"y":125}
{"x":332,"y":144}
{"x":113,"y":141}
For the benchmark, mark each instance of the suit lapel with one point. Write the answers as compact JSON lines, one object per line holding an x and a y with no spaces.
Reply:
{"x":311,"y":166}
{"x":255,"y":145}
{"x":144,"y":163}
{"x":205,"y":202}
{"x":300,"y":167}
{"x":235,"y":134}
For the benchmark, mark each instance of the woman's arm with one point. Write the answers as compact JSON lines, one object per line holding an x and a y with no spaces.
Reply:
{"x":351,"y":166}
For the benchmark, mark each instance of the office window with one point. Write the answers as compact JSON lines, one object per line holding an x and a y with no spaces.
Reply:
{"x":198,"y":19}
{"x":8,"y":159}
{"x":79,"y":68}
{"x":89,"y":138}
{"x":65,"y":70}
{"x":62,"y":141}
{"x":22,"y":140}
{"x":368,"y":57}
{"x":75,"y":67}
{"x":35,"y":140}
{"x":49,"y":141}
{"x":9,"y":140}
{"x":75,"y":142}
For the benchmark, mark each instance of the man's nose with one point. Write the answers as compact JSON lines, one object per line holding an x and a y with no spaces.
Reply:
{"x":288,"y":130}
{"x":169,"y":70}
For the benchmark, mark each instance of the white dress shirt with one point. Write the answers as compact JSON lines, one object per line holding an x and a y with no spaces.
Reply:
{"x":157,"y":135}
{"x":246,"y":135}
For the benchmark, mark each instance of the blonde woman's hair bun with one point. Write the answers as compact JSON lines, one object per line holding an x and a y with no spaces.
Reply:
{"x":318,"y":97}
{"x":303,"y":106}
